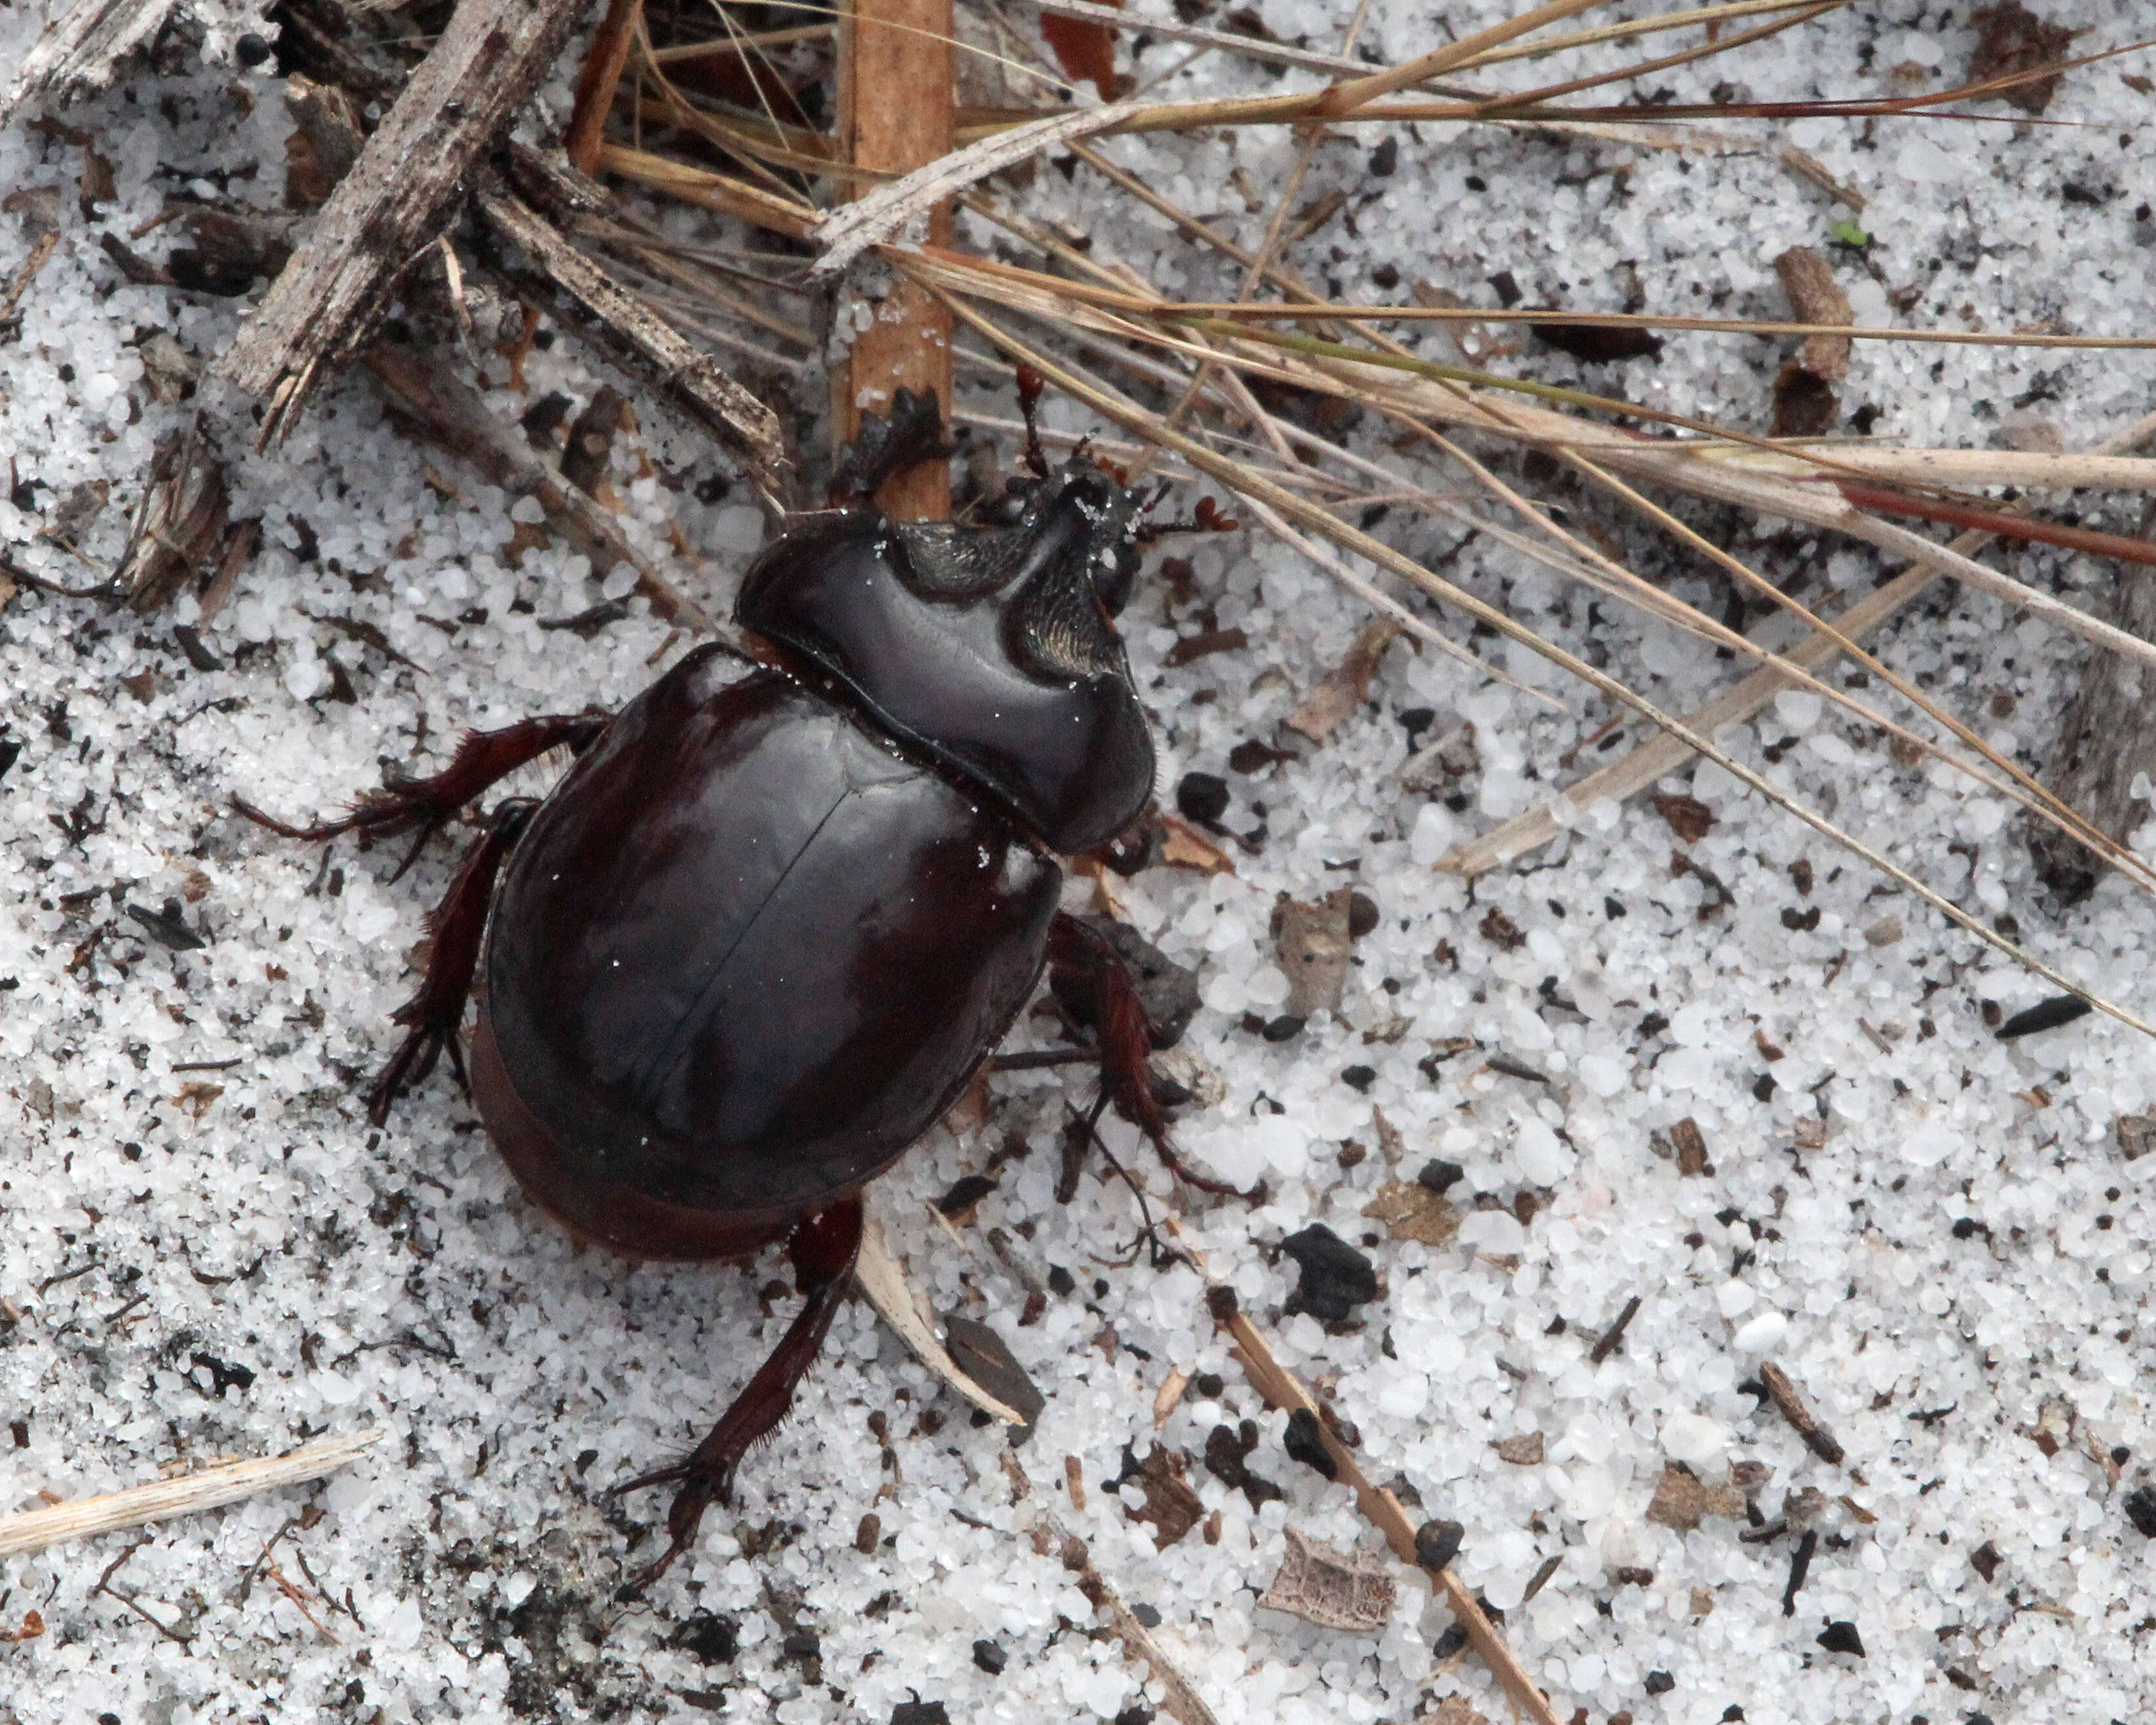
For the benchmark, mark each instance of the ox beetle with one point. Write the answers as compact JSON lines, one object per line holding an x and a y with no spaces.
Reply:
{"x":771,"y":922}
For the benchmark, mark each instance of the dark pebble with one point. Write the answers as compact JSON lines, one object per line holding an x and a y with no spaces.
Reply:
{"x":1286,"y":1027}
{"x":1385,"y":158}
{"x":1451,"y":1640}
{"x":803,"y":1644}
{"x":1211,"y":1385}
{"x":1840,"y":1637}
{"x":1147,"y":1616}
{"x":1139,"y":1715}
{"x":251,"y":50}
{"x":712,"y":1638}
{"x":1439,"y":1176}
{"x":1060,"y":1280}
{"x":1437,"y":1543}
{"x":1362,"y":914}
{"x":1358,"y":1077}
{"x":990,"y":1658}
{"x":2141,"y":1510}
{"x":1967,"y":1228}
{"x":1304,"y":1444}
{"x":965,"y":1192}
{"x":918,"y":1712}
{"x":2045,"y":1015}
{"x":1659,"y":1682}
{"x":1201,"y":798}
{"x":1335,"y":1277}
{"x":869,"y":1534}
{"x":1221,"y":1301}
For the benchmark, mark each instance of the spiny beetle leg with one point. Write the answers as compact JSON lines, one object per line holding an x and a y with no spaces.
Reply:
{"x":824,"y":1247}
{"x":482,"y":758}
{"x":1125,"y":1038}
{"x":432,"y":1017}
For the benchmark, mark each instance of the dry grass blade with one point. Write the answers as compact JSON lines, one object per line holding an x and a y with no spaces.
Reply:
{"x":1667,"y":754}
{"x":1249,"y":483}
{"x":162,"y":1500}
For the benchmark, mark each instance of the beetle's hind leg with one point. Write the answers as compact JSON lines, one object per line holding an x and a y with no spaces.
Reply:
{"x":432,"y":1016}
{"x":824,"y":1247}
{"x":483,"y":757}
{"x":887,"y":444}
{"x":1083,"y":967}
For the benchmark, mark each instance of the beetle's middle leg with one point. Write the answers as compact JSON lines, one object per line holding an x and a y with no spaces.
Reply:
{"x":824,"y":1247}
{"x":483,"y":757}
{"x":1125,"y":1038}
{"x":434,"y":1015}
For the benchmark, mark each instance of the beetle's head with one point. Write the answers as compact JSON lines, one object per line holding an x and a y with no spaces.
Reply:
{"x":1094,"y":525}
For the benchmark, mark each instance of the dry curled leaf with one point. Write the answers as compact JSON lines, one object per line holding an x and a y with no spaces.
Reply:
{"x":1411,"y":1211}
{"x":1320,"y":1586}
{"x":1346,"y":686}
{"x":1182,"y":846}
{"x":1682,"y":1501}
{"x":1816,"y":297}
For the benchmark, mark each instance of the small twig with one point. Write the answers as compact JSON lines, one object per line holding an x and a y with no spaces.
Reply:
{"x":1606,"y":1345}
{"x":1180,"y":1701}
{"x":1800,"y":1563}
{"x":162,"y":1500}
{"x":1783,"y":1394}
{"x":1379,"y":1507}
{"x":453,"y":415}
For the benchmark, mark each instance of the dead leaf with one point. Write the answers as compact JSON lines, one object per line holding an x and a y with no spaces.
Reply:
{"x":180,"y":522}
{"x":1689,"y":818}
{"x":1084,"y":50}
{"x":1453,"y":1709}
{"x":1320,"y":1586}
{"x":2011,"y":39}
{"x":2136,"y":1135}
{"x":1314,"y":946}
{"x":1413,"y":1212}
{"x":1182,"y":846}
{"x":1681,"y":1499}
{"x":1171,"y":1506}
{"x":1346,"y":686}
{"x":1805,"y":403}
{"x":1691,"y":1147}
{"x":885,"y":1285}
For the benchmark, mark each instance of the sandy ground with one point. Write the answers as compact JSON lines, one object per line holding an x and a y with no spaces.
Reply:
{"x":205,"y":1250}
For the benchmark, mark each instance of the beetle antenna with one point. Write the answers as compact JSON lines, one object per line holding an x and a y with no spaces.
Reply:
{"x":1030,"y":384}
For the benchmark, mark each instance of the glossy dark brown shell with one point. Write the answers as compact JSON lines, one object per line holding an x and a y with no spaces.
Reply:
{"x":744,"y":956}
{"x":986,"y":649}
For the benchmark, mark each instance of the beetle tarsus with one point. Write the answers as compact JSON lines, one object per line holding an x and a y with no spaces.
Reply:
{"x":824,"y":1247}
{"x":1125,"y":1037}
{"x":887,"y":444}
{"x":482,"y":758}
{"x":434,"y":1015}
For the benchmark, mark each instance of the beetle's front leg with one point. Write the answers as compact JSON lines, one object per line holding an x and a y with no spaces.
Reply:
{"x":482,"y":758}
{"x":887,"y":444}
{"x":1077,"y":954}
{"x":434,"y":1014}
{"x":824,"y":1247}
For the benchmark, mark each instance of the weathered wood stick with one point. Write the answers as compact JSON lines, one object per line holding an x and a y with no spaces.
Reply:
{"x":553,"y":194}
{"x":894,"y":115}
{"x":452,"y":415}
{"x":2106,"y":742}
{"x":81,"y":50}
{"x":326,"y":301}
{"x":207,"y":1488}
